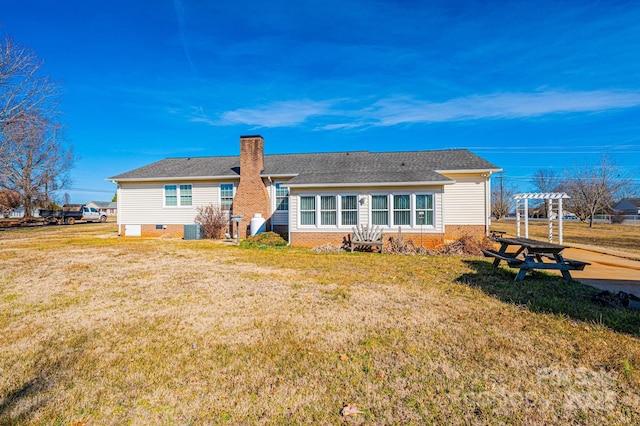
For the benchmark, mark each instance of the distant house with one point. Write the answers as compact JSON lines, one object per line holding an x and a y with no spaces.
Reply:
{"x":110,"y":208}
{"x":628,"y":206}
{"x":18,"y":213}
{"x":314,"y":198}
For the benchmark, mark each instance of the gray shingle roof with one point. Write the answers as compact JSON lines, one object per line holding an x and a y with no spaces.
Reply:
{"x":359,"y":167}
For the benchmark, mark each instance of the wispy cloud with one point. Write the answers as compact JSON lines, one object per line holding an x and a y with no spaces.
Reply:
{"x":389,"y":112}
{"x":343,"y":115}
{"x":179,"y":8}
{"x":277,"y":114}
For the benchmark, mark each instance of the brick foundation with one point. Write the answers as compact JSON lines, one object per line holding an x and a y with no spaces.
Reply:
{"x":454,"y":232}
{"x":314,"y":239}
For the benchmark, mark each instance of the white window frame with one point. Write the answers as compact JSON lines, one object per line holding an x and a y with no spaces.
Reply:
{"x":413,"y":204}
{"x":340,"y":211}
{"x":392,"y":208}
{"x":233,"y":196}
{"x":414,"y":210}
{"x":318,"y":210}
{"x":276,"y":186}
{"x":315,"y":210}
{"x":178,"y":200}
{"x":389,"y":208}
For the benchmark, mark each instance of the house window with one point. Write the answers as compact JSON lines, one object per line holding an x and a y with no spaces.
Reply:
{"x":185,"y":195}
{"x":308,"y":210}
{"x":424,"y":209}
{"x":226,"y":196}
{"x":178,"y":195}
{"x":282,"y":197}
{"x":328,"y":210}
{"x":379,"y":209}
{"x":349,"y":206}
{"x":402,"y":209}
{"x":170,"y":195}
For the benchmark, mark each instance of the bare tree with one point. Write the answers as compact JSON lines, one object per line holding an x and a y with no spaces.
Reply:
{"x":22,"y":88}
{"x":501,"y":197}
{"x":594,"y":190}
{"x":34,"y":162}
{"x":9,"y":200}
{"x":545,"y":180}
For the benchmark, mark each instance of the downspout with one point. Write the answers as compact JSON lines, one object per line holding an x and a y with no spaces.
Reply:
{"x":271,"y":212}
{"x":487,"y":207}
{"x":289,"y":221}
{"x":118,"y":219}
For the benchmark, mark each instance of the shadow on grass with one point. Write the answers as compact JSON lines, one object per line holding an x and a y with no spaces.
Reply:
{"x":545,"y":293}
{"x":20,"y":404}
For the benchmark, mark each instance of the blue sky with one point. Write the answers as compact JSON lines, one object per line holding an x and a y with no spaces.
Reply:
{"x":526,"y":85}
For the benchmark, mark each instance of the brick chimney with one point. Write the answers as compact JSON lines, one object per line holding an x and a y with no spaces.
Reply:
{"x":251,"y":196}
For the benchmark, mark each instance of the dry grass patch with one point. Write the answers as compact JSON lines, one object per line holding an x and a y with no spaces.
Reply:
{"x":614,"y":236}
{"x":136,"y":331}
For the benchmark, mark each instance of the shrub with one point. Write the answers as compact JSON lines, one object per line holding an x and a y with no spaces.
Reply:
{"x":618,"y":217}
{"x":266,"y":239}
{"x":214,"y":221}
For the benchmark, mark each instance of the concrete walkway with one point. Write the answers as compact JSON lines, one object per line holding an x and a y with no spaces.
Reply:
{"x":619,"y":272}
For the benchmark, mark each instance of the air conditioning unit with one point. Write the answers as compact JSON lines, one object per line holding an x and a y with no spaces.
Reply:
{"x":193,"y":232}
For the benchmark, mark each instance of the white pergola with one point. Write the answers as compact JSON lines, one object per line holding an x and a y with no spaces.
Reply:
{"x":554,"y":198}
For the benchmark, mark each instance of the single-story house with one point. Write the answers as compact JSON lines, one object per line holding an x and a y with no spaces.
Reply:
{"x":628,"y":206}
{"x":18,"y":212}
{"x":432,"y":196}
{"x":107,"y":207}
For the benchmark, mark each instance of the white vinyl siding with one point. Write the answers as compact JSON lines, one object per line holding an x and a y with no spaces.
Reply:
{"x":465,"y":200}
{"x":144,"y":203}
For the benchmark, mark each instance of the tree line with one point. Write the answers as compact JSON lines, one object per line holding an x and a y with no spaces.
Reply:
{"x":593,"y":189}
{"x":34,"y":159}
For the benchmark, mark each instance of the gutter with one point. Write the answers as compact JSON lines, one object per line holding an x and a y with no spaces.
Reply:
{"x":368,"y":184}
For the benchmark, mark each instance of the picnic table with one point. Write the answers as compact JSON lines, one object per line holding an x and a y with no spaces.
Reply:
{"x":532,"y":254}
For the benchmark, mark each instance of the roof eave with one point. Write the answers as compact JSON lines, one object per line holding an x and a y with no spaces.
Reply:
{"x":368,"y":184}
{"x":467,"y":170}
{"x":167,"y":178}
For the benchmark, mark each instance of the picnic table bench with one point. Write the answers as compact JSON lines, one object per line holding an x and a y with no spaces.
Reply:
{"x":493,"y":234}
{"x":364,"y":237}
{"x":531,"y":254}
